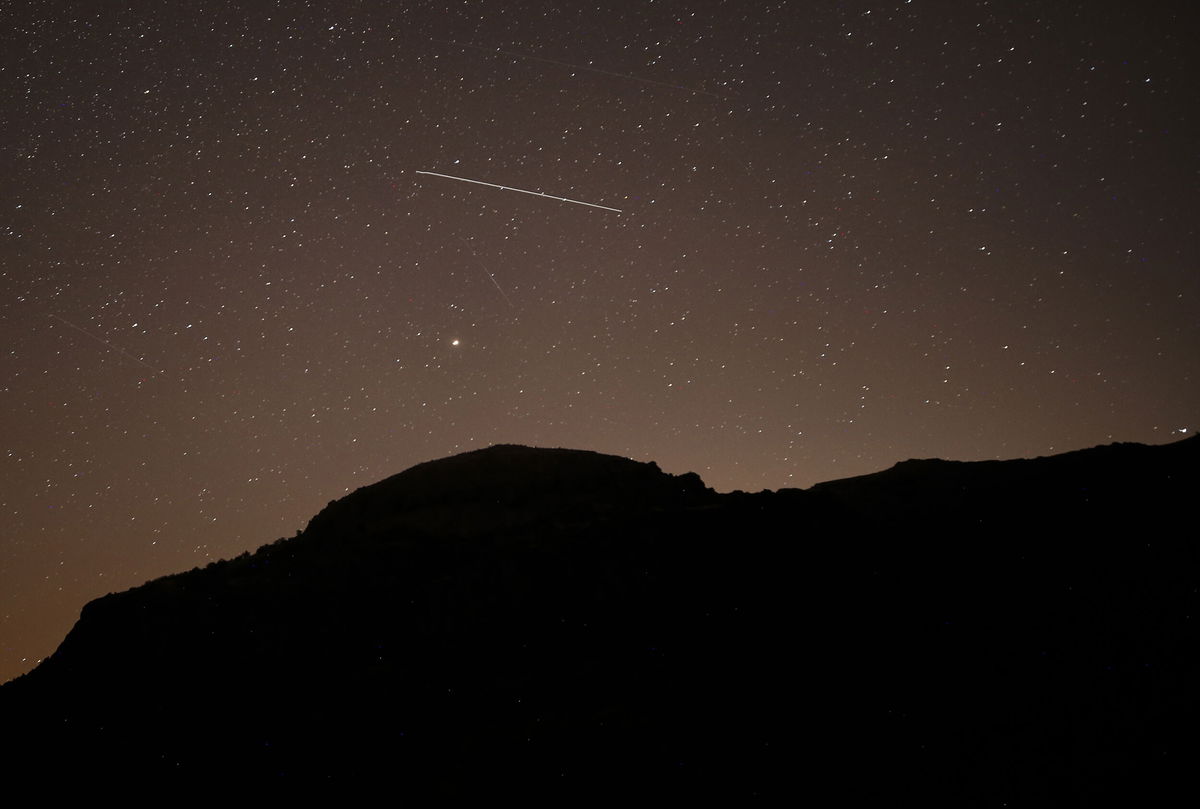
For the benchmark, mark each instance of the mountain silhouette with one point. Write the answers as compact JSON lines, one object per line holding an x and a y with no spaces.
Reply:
{"x":549,"y":623}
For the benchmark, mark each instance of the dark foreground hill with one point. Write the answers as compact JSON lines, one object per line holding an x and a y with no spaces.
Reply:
{"x":535,"y":623}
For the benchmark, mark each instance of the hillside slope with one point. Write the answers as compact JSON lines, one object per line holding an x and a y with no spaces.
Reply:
{"x":562,"y":623}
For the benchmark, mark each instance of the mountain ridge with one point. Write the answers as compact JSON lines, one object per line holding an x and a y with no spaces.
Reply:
{"x":546,"y":616}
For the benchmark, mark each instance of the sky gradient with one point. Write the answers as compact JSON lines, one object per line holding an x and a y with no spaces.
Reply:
{"x":849,"y":233}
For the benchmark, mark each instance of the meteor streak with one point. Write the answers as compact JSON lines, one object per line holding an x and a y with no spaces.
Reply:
{"x":105,"y":342}
{"x":521,"y":190}
{"x":487,"y":272}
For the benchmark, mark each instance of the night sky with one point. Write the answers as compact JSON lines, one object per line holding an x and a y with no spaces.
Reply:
{"x":850,"y":233}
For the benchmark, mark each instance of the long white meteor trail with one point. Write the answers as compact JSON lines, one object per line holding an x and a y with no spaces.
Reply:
{"x":521,"y":190}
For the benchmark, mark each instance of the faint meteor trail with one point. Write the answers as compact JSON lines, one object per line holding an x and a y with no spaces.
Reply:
{"x":104,"y":342}
{"x":487,"y":272}
{"x":578,"y":67}
{"x":521,"y":190}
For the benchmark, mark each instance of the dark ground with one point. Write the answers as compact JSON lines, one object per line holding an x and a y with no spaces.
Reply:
{"x":549,"y":623}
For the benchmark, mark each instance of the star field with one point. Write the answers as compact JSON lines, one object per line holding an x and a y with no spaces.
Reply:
{"x":850,"y":233}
